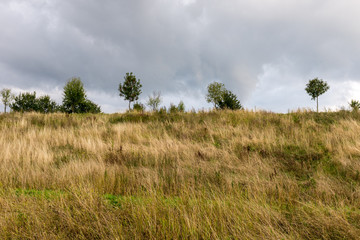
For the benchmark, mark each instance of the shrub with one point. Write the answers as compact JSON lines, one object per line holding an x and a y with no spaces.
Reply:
{"x":139,"y":107}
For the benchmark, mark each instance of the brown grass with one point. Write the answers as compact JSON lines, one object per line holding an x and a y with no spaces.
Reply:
{"x":216,"y":175}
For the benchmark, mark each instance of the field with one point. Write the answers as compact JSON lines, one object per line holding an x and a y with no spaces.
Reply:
{"x":206,"y":175}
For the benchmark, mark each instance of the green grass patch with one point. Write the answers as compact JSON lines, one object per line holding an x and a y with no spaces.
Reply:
{"x":40,"y":194}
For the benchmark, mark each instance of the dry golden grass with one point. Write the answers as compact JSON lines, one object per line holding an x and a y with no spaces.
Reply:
{"x":216,"y":175}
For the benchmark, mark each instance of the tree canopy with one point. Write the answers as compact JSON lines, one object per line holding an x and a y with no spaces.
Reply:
{"x":229,"y":101}
{"x":130,"y":89}
{"x":315,"y":88}
{"x":28,"y":102}
{"x":75,"y":99}
{"x":215,"y":93}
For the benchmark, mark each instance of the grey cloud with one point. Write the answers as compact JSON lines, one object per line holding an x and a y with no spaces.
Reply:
{"x":179,"y":48}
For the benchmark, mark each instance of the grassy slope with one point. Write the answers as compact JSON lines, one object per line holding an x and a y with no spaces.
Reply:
{"x":217,"y":175}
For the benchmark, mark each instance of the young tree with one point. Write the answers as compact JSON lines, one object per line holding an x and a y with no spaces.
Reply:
{"x":229,"y":101}
{"x":75,"y":100}
{"x":74,"y":96}
{"x":131,"y":88}
{"x":215,"y":93}
{"x":6,"y":97}
{"x":355,"y":105}
{"x":315,"y":88}
{"x":154,"y":101}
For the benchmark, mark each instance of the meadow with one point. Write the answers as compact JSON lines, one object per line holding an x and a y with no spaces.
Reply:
{"x":205,"y":175}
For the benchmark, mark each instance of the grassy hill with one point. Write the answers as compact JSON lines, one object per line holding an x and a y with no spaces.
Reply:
{"x":215,"y":175}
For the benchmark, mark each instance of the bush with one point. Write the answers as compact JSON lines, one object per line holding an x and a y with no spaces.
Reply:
{"x":89,"y":107}
{"x":229,"y":101}
{"x":181,"y":107}
{"x":139,"y":107}
{"x":27,"y":102}
{"x":173,"y":108}
{"x":162,"y":110}
{"x":46,"y":105}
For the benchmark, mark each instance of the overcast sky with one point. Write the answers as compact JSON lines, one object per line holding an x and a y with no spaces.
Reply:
{"x":263,"y":51}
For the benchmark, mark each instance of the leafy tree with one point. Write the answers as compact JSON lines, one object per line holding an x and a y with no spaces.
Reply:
{"x":25,"y":102}
{"x":229,"y":101}
{"x":75,"y":100}
{"x":221,"y":97}
{"x":46,"y":105}
{"x":6,"y":97}
{"x":74,"y":96}
{"x":154,"y":101}
{"x":131,"y":88}
{"x":315,"y":88}
{"x":355,"y":105}
{"x":215,"y":93}
{"x":28,"y":102}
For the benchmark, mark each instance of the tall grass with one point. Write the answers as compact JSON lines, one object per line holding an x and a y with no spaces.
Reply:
{"x":207,"y":175}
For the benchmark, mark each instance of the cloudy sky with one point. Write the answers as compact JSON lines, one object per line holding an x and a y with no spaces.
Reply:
{"x":264,"y":51}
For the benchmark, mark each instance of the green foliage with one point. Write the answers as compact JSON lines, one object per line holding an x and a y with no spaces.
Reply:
{"x":75,"y":100}
{"x":315,"y":88}
{"x":215,"y":93}
{"x":25,"y":102}
{"x":181,"y":107}
{"x":221,"y":97}
{"x":154,"y":101}
{"x":173,"y":108}
{"x":131,"y":88}
{"x":74,"y":96}
{"x":28,"y":102}
{"x":47,"y":194}
{"x":139,"y":107}
{"x":229,"y":101}
{"x":89,"y":107}
{"x":6,"y":97}
{"x":162,"y":110}
{"x":46,"y":105}
{"x":355,"y":105}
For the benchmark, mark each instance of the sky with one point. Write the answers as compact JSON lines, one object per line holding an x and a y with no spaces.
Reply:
{"x":263,"y":51}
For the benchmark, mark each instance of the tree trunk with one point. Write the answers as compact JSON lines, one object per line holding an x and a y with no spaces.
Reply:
{"x":317,"y":104}
{"x":5,"y":108}
{"x":129,"y":105}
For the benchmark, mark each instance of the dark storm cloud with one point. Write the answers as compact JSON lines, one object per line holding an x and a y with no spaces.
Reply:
{"x":260,"y":49}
